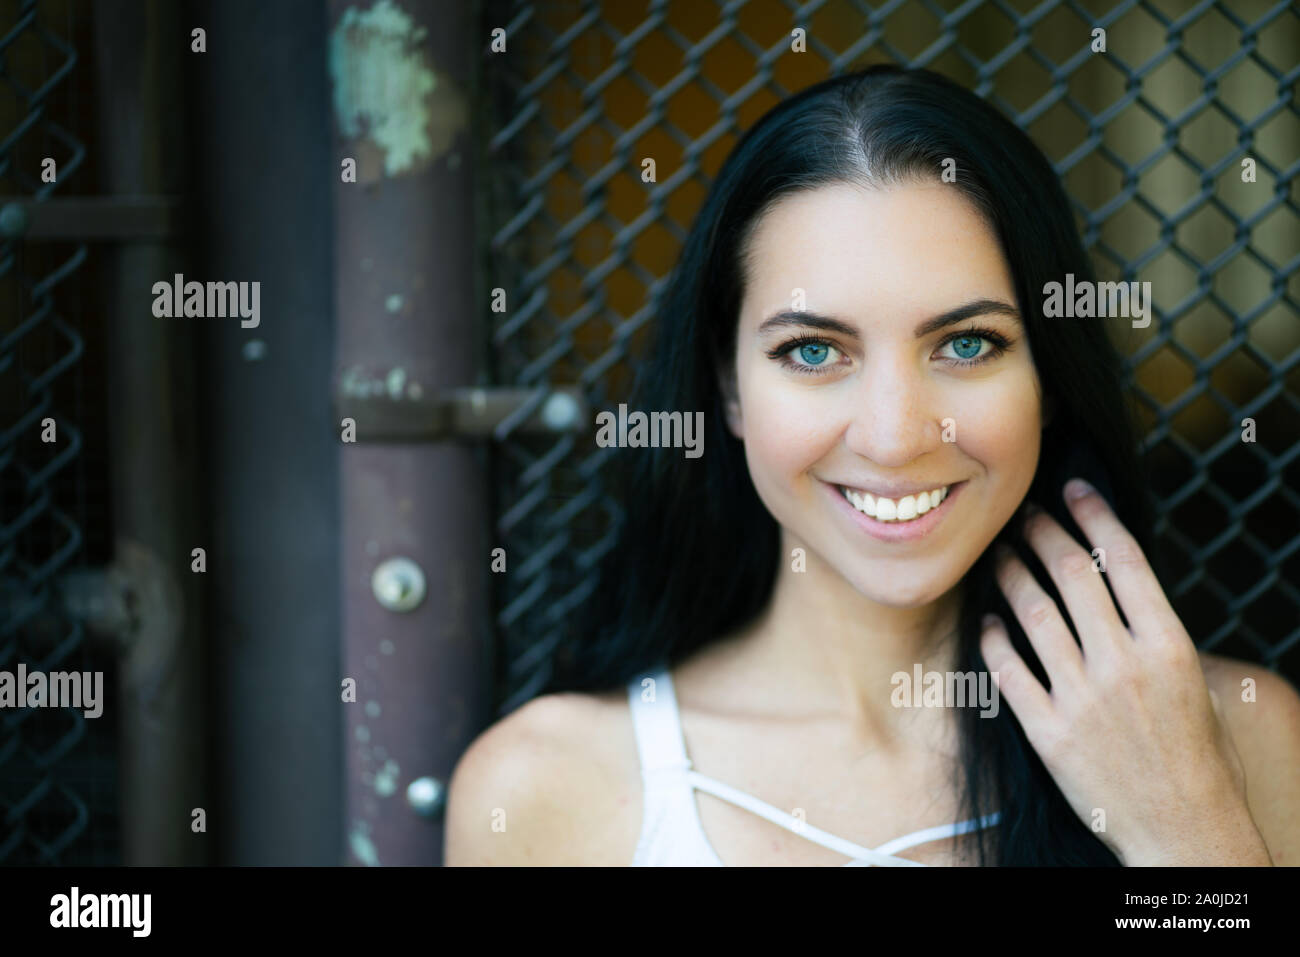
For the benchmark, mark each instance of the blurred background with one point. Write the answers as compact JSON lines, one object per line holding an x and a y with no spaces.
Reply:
{"x":302,"y":625}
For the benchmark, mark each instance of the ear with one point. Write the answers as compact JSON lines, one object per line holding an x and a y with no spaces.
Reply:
{"x":731,"y":401}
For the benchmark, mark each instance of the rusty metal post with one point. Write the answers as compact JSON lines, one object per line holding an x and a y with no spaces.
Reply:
{"x":401,"y":78}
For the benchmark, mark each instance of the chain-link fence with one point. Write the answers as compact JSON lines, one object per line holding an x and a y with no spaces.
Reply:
{"x":1148,"y":136}
{"x":56,"y":770}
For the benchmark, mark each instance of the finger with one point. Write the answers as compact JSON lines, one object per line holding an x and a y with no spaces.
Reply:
{"x":1027,"y":697}
{"x":1078,"y":579}
{"x":1136,"y":588}
{"x":1041,"y":619}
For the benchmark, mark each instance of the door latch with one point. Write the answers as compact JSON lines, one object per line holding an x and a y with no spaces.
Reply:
{"x":471,"y":412}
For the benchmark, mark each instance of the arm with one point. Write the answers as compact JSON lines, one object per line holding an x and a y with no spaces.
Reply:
{"x":1266,"y":732}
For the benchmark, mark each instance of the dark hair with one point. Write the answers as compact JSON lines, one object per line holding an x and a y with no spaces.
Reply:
{"x":676,"y":579}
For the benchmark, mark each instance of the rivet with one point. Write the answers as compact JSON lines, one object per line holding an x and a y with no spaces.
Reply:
{"x":398,"y":584}
{"x":426,"y":796}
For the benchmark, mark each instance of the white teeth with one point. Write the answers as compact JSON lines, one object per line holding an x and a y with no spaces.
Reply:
{"x":905,"y":509}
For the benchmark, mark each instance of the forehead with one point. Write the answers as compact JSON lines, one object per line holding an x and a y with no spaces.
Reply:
{"x":908,"y":251}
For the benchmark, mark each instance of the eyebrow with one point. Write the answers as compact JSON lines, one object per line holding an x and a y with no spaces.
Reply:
{"x":976,"y":307}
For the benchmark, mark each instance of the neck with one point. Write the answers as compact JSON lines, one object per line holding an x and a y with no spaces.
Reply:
{"x":823,"y":649}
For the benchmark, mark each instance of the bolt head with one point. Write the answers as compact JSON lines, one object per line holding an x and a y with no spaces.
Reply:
{"x":560,"y":412}
{"x":426,"y":796}
{"x":13,"y":220}
{"x":398,"y":584}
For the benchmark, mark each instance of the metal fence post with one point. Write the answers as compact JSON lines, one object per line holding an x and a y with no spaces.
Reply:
{"x":163,"y":711}
{"x":401,"y":76}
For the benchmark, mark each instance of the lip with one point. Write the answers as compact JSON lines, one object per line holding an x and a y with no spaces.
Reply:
{"x":909,"y":531}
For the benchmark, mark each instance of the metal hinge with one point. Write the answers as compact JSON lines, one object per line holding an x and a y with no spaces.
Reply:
{"x":396,"y":413}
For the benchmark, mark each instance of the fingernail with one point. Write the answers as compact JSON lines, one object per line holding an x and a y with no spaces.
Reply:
{"x":1077,"y":488}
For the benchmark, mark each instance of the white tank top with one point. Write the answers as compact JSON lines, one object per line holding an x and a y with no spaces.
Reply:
{"x":671,"y":832}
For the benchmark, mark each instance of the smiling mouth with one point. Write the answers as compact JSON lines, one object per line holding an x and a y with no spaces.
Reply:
{"x":906,"y":509}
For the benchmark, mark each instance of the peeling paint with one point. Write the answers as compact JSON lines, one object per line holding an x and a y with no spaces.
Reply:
{"x":355,"y":382}
{"x":386,"y":779}
{"x":362,"y":847}
{"x":387,"y":95}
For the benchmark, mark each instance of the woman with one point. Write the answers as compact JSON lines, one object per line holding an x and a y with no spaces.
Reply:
{"x":881,"y":513}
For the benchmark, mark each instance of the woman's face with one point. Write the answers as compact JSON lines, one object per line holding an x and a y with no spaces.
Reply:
{"x":889,"y":400}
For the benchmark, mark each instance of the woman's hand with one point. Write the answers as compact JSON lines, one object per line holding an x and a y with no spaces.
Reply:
{"x":1129,"y":730}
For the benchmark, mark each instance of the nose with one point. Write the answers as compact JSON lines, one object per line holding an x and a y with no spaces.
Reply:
{"x":894,"y":419}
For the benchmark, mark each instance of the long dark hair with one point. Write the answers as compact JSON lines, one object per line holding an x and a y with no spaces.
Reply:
{"x":679,"y":576}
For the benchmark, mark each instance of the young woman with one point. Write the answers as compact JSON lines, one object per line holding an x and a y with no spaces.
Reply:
{"x":892,"y":428}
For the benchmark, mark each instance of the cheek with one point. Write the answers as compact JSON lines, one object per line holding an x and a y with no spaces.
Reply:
{"x":1000,"y":427}
{"x":788,"y":428}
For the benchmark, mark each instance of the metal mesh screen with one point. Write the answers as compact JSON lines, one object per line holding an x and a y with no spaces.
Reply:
{"x":1148,"y":137}
{"x":55,"y":769}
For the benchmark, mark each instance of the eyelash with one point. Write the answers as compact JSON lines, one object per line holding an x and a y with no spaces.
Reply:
{"x":1001,"y":344}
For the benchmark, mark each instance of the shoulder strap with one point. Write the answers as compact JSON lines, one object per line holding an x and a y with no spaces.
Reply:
{"x":656,"y":722}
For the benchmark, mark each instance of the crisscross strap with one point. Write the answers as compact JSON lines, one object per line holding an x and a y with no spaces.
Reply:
{"x":662,"y":747}
{"x":882,"y":855}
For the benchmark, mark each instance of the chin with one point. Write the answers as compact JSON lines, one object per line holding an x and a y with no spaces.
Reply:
{"x":897,"y":591}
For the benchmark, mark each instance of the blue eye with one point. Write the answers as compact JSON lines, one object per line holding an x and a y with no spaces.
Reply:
{"x":967,"y":347}
{"x":806,"y":355}
{"x":813,"y":353}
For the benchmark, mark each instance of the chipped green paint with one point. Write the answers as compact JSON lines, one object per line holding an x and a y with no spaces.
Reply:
{"x":396,"y":380}
{"x":362,"y":847}
{"x":386,"y":778}
{"x":394,"y":383}
{"x":381,"y":78}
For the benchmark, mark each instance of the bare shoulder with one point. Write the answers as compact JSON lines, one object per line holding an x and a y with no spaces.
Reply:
{"x":1262,"y":711}
{"x":555,"y":782}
